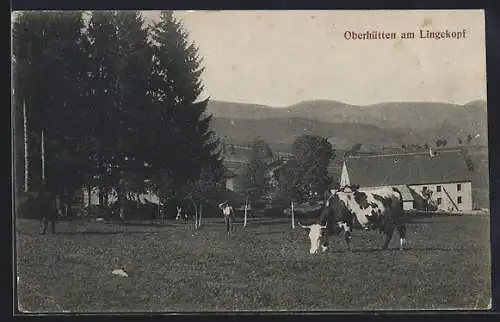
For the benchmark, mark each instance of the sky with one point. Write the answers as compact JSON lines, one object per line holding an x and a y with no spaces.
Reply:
{"x":280,"y":58}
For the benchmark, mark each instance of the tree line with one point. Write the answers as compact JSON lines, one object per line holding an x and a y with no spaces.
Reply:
{"x":107,"y":101}
{"x":301,"y":177}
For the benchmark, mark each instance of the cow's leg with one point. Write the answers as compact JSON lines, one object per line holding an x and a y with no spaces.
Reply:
{"x":389,"y":231}
{"x":402,"y":235}
{"x":324,"y":245}
{"x":348,"y":238}
{"x":45,"y":224}
{"x":53,"y":225}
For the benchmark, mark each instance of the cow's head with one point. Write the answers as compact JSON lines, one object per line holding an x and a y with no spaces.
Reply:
{"x":316,"y":232}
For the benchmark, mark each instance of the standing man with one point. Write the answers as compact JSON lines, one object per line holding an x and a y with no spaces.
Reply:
{"x":228,"y":213}
{"x":48,"y":210}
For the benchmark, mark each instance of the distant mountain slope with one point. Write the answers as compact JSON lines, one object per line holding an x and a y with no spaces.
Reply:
{"x":379,"y":124}
{"x":284,"y":131}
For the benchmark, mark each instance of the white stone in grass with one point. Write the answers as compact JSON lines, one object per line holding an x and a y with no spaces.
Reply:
{"x":120,"y":272}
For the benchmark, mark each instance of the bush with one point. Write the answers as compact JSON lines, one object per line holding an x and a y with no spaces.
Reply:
{"x":27,"y":206}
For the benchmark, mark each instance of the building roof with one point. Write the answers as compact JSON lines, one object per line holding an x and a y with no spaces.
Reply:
{"x":412,"y":168}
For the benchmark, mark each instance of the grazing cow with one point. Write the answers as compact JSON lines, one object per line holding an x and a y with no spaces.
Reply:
{"x":228,"y":213}
{"x":376,"y":209}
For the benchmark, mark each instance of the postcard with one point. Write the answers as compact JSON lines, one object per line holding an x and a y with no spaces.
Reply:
{"x":250,"y":161}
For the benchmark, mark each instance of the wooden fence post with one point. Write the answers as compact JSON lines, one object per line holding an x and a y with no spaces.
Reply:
{"x":199,"y":217}
{"x":42,"y":149}
{"x":246,"y":211}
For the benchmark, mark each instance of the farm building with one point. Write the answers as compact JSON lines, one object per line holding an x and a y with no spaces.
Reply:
{"x":235,"y":169}
{"x":82,"y":197}
{"x":444,"y":175}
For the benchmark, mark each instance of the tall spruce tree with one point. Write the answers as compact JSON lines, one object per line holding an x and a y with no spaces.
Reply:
{"x":49,"y":68}
{"x":134,"y":63}
{"x":120,"y":70}
{"x":103,"y":99}
{"x":29,"y":47}
{"x":188,"y":145}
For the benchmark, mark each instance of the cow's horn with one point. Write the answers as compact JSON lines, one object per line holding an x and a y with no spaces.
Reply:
{"x":298,"y":223}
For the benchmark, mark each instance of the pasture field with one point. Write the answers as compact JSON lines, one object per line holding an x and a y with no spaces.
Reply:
{"x":264,"y":267}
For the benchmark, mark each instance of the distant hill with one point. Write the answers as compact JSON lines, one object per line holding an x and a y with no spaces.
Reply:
{"x":382,"y":124}
{"x":284,"y":131}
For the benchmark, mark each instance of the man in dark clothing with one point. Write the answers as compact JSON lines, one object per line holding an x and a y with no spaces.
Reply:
{"x":47,"y":210}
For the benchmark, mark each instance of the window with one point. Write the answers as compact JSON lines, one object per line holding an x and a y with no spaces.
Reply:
{"x":438,"y":189}
{"x":459,"y":187}
{"x":439,"y":201}
{"x":459,"y":199}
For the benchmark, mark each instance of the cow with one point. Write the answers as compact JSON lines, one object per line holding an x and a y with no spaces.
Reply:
{"x":343,"y":209}
{"x":228,"y":213}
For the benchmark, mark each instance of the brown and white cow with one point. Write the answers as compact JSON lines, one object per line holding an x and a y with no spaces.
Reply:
{"x":380,"y":209}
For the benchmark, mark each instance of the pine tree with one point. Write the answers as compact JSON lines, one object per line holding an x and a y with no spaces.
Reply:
{"x":134,"y":63}
{"x":184,"y":128}
{"x":28,"y":50}
{"x":49,"y":67}
{"x":120,"y":57}
{"x":103,"y":98}
{"x":50,"y":71}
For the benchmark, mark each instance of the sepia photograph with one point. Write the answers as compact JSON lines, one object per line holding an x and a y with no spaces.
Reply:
{"x":250,"y":161}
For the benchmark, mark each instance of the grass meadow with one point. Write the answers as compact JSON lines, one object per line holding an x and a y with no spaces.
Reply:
{"x":265,"y":266}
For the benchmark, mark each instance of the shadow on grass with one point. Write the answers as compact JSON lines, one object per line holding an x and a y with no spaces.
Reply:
{"x":266,"y":223}
{"x":421,"y":222}
{"x":95,"y":232}
{"x":139,"y":224}
{"x":407,"y":250}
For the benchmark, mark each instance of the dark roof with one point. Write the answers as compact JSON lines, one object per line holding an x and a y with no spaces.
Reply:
{"x":414,"y":168}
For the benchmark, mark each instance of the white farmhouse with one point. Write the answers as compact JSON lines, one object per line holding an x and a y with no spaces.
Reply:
{"x":444,"y":173}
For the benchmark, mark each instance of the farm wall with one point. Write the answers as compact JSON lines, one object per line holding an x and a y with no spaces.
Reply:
{"x":460,"y":194}
{"x":230,"y":184}
{"x":94,"y":196}
{"x":408,"y":205}
{"x":113,"y":197}
{"x":448,"y":195}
